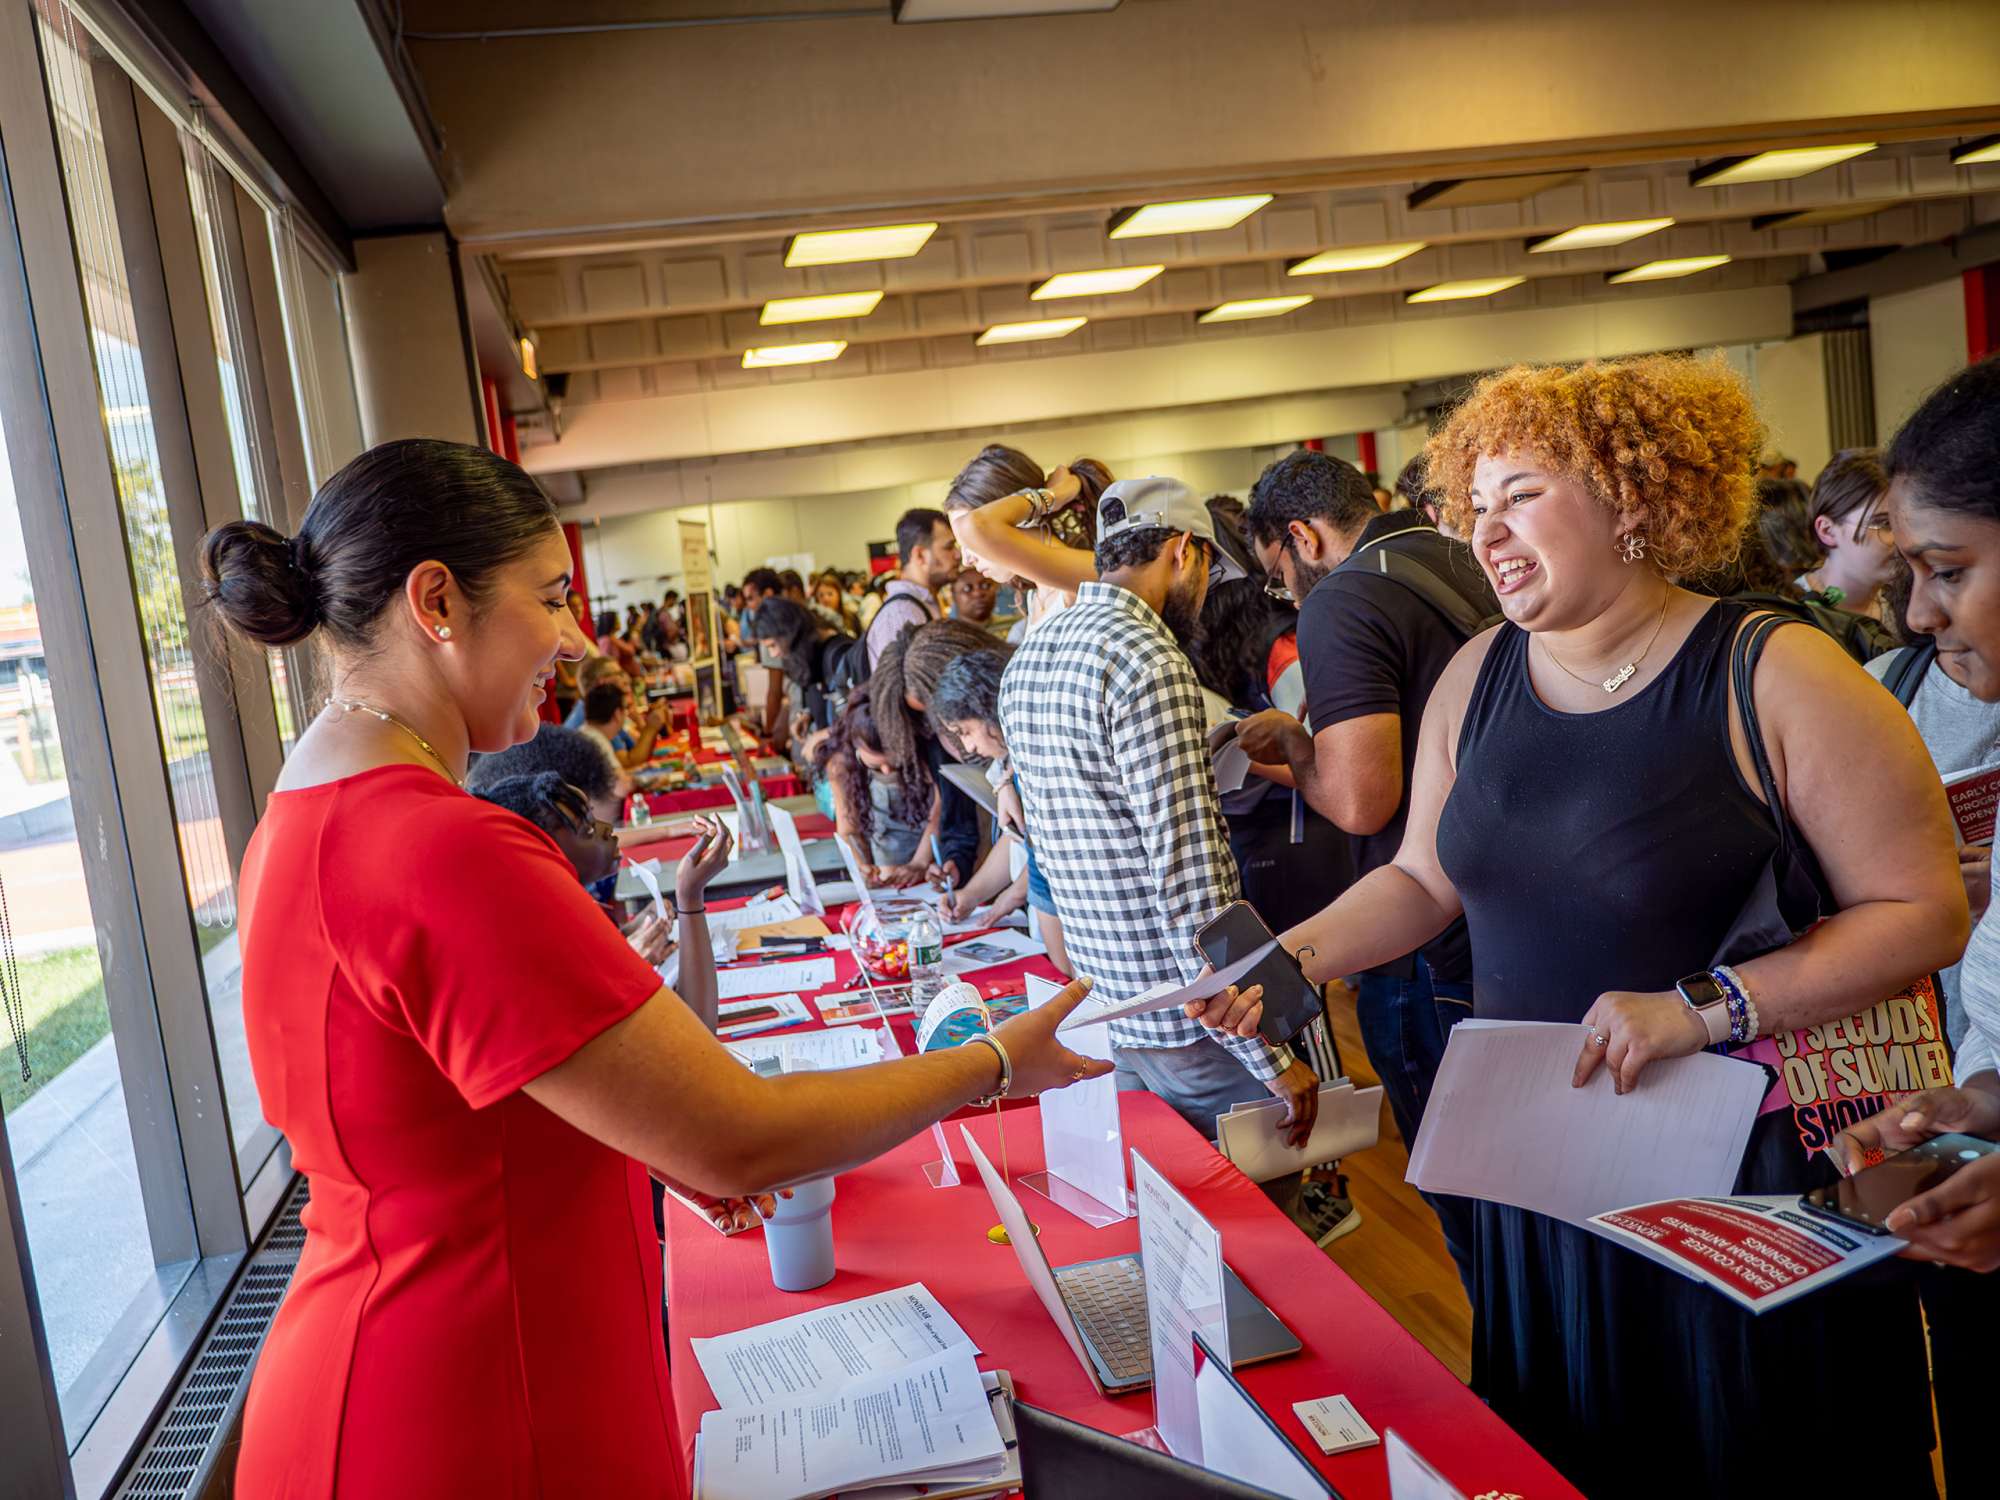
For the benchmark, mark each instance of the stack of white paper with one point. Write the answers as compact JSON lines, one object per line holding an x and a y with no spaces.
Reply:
{"x":927,"y":1423}
{"x":1504,"y":1123}
{"x":823,"y":1350}
{"x":800,"y":977}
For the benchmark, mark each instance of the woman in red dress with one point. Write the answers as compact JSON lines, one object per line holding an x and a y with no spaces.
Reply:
{"x":473,"y":1069}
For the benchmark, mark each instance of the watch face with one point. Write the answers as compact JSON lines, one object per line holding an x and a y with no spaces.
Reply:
{"x":1700,"y":990}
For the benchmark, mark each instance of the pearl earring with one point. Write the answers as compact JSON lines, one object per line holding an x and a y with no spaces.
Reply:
{"x":444,"y":632}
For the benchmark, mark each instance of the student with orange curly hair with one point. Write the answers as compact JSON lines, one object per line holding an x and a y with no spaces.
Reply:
{"x":1584,"y":795}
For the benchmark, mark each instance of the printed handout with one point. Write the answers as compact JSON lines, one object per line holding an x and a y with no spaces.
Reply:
{"x":819,"y":1352}
{"x":802,"y":977}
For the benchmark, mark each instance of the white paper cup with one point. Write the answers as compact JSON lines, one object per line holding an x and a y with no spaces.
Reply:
{"x":799,"y":1237}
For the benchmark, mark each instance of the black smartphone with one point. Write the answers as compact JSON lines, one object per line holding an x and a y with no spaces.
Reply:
{"x":1872,"y":1194}
{"x":1291,"y":1001}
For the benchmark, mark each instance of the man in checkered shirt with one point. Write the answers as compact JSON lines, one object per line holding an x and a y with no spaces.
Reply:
{"x":1105,"y":730}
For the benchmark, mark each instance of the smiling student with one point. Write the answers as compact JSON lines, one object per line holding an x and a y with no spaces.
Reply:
{"x":1584,"y":797}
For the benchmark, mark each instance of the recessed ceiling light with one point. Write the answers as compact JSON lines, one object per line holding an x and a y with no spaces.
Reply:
{"x":1095,"y":283}
{"x":819,"y":309}
{"x":1354,"y":258}
{"x":1986,"y":148}
{"x":1453,"y":291}
{"x":909,"y":11}
{"x":1596,"y":236}
{"x":839,"y":247}
{"x":529,"y":366}
{"x":1253,"y":307}
{"x":1190,"y":216}
{"x":1774,"y":166}
{"x":1022,"y":333}
{"x":792,"y":354}
{"x":1667,"y":270}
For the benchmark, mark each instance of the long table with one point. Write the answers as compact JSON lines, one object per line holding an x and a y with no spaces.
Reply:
{"x":891,"y":1227}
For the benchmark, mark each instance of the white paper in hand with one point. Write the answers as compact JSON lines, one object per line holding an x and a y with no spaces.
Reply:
{"x":1166,"y":996}
{"x":647,"y":872}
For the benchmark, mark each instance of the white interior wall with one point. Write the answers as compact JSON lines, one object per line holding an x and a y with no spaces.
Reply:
{"x":1788,"y":378}
{"x":1916,"y":339}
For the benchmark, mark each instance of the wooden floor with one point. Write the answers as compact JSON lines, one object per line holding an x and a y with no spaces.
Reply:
{"x":1398,"y":1254}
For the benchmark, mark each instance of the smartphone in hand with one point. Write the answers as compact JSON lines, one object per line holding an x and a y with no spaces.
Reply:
{"x":1866,"y":1199}
{"x":1291,"y":1001}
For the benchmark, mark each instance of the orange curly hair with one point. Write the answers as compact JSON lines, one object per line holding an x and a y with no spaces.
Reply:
{"x":1673,"y":438}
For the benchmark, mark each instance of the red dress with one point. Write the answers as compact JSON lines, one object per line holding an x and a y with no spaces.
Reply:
{"x":477,"y":1310}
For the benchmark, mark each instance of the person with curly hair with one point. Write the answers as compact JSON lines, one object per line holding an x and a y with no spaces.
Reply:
{"x":879,"y":807}
{"x":1022,"y":527}
{"x":1584,"y":797}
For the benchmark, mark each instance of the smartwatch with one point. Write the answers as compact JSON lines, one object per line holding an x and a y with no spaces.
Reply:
{"x":1705,"y":996}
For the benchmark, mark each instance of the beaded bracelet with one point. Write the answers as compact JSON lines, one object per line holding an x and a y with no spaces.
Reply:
{"x":1743,"y":1025}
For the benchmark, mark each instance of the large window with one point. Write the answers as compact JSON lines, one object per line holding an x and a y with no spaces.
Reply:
{"x":175,"y":359}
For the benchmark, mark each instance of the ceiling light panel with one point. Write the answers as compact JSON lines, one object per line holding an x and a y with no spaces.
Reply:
{"x":819,"y":309}
{"x":839,"y":247}
{"x":1456,"y":291}
{"x":1775,"y":166}
{"x":908,"y":12}
{"x":1253,"y":307}
{"x":1986,"y":148}
{"x":1597,"y":236}
{"x":1832,"y":213}
{"x":1667,"y":270}
{"x":1095,"y":283}
{"x":1354,"y":258}
{"x":793,"y":354}
{"x":1190,"y":216}
{"x":1024,"y":333}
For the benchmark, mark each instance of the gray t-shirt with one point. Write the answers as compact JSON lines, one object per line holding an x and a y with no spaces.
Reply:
{"x":1962,"y":734}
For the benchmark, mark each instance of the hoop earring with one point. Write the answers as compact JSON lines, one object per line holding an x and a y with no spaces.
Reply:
{"x":1632,"y":546}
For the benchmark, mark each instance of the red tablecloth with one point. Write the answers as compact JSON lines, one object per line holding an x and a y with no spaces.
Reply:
{"x":891,"y":1227}
{"x":700,"y":798}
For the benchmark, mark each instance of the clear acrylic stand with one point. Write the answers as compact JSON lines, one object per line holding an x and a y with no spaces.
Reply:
{"x":943,"y":1172}
{"x":1075,"y":1200}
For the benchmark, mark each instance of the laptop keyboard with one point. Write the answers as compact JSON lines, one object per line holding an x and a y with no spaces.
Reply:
{"x":1108,"y":1301}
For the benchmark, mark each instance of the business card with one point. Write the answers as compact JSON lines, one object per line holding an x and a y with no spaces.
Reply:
{"x":1335,"y":1425}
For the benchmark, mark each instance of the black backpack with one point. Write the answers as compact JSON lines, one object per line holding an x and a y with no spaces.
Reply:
{"x":1906,"y":673}
{"x":1466,"y":613}
{"x":1864,"y":639}
{"x":843,"y":664}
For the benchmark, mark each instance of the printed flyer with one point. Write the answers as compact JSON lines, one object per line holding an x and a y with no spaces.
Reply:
{"x":1975,"y":797}
{"x":1759,"y":1250}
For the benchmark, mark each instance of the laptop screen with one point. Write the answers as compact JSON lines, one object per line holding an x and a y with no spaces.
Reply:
{"x":1239,"y":1438}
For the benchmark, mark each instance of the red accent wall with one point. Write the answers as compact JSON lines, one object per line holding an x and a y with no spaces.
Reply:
{"x":1982,"y":312}
{"x":1365,"y":442}
{"x":578,"y":579}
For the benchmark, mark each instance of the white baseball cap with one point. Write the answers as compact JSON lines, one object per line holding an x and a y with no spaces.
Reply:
{"x":1159,"y":503}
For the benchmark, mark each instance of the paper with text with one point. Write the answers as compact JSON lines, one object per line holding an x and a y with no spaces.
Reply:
{"x":760,"y":1013}
{"x":1182,"y":1256}
{"x":807,"y":1051}
{"x":930,"y":1418}
{"x":821,"y":1351}
{"x":1503,"y":1123}
{"x":802,"y":976}
{"x":798,"y":873}
{"x":1166,"y":996}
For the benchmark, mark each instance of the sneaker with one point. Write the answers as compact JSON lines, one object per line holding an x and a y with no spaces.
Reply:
{"x":1325,"y":1212}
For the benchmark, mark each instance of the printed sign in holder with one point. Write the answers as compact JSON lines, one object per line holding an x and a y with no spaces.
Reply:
{"x":943,"y":1172}
{"x":1080,"y":1130}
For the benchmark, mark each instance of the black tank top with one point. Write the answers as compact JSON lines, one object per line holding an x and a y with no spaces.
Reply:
{"x":1604,"y":851}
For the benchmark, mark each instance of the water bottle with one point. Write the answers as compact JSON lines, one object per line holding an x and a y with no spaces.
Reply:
{"x":642,"y":811}
{"x":927,"y":976}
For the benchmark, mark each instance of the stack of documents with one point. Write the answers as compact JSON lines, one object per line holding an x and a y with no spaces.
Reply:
{"x":806,"y":1051}
{"x":880,"y":1391}
{"x":1252,"y":1135}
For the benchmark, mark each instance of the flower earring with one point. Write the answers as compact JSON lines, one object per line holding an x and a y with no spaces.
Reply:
{"x":1632,"y":546}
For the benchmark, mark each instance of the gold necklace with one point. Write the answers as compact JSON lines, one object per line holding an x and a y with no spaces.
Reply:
{"x":1623,"y":675}
{"x":354,"y":706}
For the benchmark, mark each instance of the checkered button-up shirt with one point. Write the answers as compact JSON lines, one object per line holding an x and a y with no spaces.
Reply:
{"x":1104,"y":728}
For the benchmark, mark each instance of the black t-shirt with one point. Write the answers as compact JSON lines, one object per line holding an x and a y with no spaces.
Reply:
{"x":1369,"y":644}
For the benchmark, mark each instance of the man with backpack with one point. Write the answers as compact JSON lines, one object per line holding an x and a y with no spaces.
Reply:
{"x":1384,"y":604}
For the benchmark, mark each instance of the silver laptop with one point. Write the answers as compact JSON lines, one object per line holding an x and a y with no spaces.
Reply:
{"x":1099,"y":1306}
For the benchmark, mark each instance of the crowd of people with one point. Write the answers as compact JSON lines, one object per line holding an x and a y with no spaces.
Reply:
{"x":1572,"y":722}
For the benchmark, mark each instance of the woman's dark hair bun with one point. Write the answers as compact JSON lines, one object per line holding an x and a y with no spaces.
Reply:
{"x":255,"y":580}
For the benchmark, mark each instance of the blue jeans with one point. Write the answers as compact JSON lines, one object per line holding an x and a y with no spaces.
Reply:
{"x":1404,"y":1023}
{"x":1201,"y":1080}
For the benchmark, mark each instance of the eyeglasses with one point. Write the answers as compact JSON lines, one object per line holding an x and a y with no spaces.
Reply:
{"x":1277,"y":590}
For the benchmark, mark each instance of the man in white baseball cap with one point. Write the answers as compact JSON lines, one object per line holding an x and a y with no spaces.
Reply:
{"x":1105,"y":731}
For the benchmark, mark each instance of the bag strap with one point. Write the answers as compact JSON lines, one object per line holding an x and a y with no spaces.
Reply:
{"x":1906,"y":673}
{"x":1745,"y":654}
{"x":1422,"y":580}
